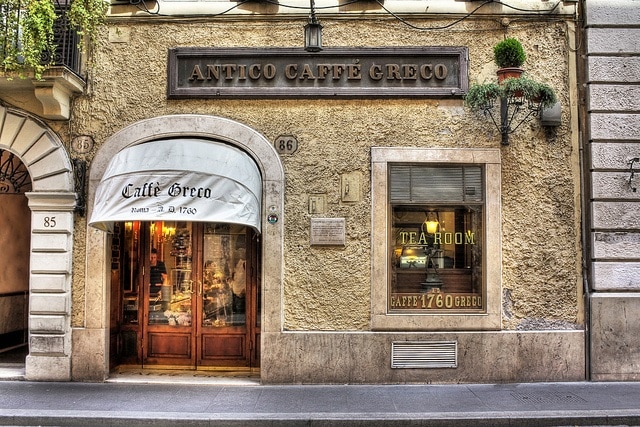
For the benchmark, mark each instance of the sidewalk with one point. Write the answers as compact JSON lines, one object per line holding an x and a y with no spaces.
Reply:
{"x":246,"y":403}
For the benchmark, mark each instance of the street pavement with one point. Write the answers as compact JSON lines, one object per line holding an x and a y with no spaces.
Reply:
{"x":180,"y":400}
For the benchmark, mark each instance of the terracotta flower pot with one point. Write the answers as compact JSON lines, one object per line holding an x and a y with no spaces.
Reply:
{"x":505,"y":73}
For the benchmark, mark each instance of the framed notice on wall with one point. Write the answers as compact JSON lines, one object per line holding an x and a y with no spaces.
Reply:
{"x":327,"y":231}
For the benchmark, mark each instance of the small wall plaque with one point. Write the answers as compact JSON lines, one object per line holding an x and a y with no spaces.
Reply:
{"x":286,"y":144}
{"x":317,"y":202}
{"x":82,"y":144}
{"x":328,"y":231}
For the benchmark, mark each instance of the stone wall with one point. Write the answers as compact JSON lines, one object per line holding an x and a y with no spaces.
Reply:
{"x":540,"y":170}
{"x":613,"y":137}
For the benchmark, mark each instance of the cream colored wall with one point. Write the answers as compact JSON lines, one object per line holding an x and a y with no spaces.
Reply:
{"x":329,"y":288}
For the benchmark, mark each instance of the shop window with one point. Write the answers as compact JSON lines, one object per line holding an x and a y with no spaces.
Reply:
{"x":436,"y":239}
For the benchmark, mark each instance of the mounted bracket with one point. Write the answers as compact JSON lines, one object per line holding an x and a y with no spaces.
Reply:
{"x":80,"y":178}
{"x":632,"y":173}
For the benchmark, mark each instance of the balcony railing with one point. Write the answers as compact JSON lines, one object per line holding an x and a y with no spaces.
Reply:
{"x":66,"y":40}
{"x":66,"y":53}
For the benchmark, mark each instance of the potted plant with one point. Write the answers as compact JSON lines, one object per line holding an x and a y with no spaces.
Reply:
{"x":511,"y":92}
{"x":544,"y":95}
{"x":483,"y":96}
{"x":536,"y":93}
{"x":509,"y":56}
{"x":519,"y":87}
{"x":28,"y":31}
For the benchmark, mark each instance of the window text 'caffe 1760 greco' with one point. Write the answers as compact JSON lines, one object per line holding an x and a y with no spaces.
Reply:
{"x":437,"y":250}
{"x":277,"y":72}
{"x":424,"y":256}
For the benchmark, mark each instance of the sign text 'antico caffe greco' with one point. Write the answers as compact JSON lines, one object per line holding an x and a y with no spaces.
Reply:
{"x":333,"y":72}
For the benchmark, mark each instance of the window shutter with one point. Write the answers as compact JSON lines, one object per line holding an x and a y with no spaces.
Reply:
{"x":421,"y":183}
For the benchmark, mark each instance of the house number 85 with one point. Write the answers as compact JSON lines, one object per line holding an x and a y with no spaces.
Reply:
{"x":49,"y":221}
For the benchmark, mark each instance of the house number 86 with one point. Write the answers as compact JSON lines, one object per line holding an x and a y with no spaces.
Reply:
{"x":286,"y":144}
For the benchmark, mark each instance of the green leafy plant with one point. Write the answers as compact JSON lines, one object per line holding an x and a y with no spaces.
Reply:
{"x":483,"y":95}
{"x":27,"y":31}
{"x":546,"y":96}
{"x":509,"y":53}
{"x":518,"y":96}
{"x":529,"y":89}
{"x":86,"y":16}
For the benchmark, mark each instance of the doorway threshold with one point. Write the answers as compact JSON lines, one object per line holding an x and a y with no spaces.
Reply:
{"x":165,"y":375}
{"x":12,"y":363}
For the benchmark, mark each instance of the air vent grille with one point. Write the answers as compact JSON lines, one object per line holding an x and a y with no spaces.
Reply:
{"x":424,"y":354}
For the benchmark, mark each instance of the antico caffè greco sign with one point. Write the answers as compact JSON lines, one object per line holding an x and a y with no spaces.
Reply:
{"x":334,"y":72}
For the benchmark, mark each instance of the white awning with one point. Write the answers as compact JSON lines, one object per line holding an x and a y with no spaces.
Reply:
{"x":179,"y":180}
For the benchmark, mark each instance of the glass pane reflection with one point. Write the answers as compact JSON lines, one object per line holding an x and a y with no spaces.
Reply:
{"x":171,"y":285}
{"x":224,"y":275}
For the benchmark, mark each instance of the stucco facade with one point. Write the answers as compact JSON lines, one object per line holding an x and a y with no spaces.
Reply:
{"x":322,"y":318}
{"x":326,"y":292}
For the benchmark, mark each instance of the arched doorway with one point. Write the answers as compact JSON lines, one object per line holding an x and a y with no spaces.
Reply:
{"x":14,"y":264}
{"x":263,"y":242}
{"x":51,"y":204}
{"x":187,"y":211}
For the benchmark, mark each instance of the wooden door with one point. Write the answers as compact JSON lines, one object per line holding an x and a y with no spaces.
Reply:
{"x":201,"y":309}
{"x":168,"y":324}
{"x":227,"y":325}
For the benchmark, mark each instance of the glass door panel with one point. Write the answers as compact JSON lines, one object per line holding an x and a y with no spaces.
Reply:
{"x":224,"y":337}
{"x":224,"y":276}
{"x":130,"y":269}
{"x":170,"y":281}
{"x":170,"y":304}
{"x":127,"y":298}
{"x":189,"y":294}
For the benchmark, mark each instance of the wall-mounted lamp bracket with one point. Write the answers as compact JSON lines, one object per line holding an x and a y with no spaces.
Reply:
{"x":632,"y":172}
{"x":514,"y":111}
{"x":514,"y":101}
{"x":80,"y":179}
{"x":313,"y":31}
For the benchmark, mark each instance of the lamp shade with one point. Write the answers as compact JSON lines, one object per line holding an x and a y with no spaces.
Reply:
{"x":431,"y":223}
{"x":313,"y":36}
{"x":432,"y":226}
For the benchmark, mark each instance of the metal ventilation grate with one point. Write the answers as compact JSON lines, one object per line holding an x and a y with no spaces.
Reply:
{"x":424,"y":354}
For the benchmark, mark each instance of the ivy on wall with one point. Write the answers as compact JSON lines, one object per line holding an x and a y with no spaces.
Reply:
{"x":86,"y":17}
{"x":27,"y":30}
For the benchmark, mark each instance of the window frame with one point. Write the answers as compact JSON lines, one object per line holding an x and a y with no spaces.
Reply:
{"x":384,"y":319}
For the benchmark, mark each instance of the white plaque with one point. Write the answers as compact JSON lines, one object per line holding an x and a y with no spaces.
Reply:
{"x":328,"y":231}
